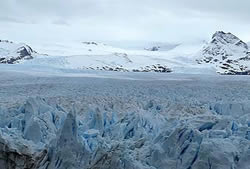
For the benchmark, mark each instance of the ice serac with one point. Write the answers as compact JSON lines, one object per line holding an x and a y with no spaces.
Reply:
{"x":11,"y":53}
{"x":227,"y":53}
{"x":42,"y":135}
{"x":67,"y":152}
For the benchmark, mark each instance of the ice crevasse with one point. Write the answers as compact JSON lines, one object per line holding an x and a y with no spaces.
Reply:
{"x":39,"y":135}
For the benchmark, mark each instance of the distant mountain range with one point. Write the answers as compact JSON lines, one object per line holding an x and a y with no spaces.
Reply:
{"x":225,"y":54}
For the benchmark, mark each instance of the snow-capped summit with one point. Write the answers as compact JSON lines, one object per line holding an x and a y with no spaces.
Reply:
{"x":11,"y":52}
{"x":221,"y":37}
{"x":228,"y":53}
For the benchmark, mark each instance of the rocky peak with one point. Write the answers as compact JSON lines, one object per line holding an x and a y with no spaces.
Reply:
{"x":228,"y":53}
{"x":11,"y":52}
{"x":223,"y":38}
{"x":224,"y":46}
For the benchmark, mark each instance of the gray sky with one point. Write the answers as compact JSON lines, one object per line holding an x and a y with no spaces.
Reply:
{"x":150,"y":20}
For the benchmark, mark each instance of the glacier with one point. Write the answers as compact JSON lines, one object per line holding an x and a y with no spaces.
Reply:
{"x":140,"y":121}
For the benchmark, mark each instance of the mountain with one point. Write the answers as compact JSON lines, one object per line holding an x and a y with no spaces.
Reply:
{"x":227,"y":53}
{"x":11,"y":52}
{"x":224,"y":54}
{"x":101,"y":56}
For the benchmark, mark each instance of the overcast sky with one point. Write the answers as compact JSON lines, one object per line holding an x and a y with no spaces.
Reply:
{"x":150,"y":20}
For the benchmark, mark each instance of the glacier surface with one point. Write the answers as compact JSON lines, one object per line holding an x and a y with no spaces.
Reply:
{"x":123,"y":120}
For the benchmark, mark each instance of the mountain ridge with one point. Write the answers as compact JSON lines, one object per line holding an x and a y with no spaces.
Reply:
{"x":225,"y":53}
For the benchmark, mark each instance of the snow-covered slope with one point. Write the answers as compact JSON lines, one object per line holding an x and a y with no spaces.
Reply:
{"x":11,"y":52}
{"x":227,"y":53}
{"x":100,"y":56}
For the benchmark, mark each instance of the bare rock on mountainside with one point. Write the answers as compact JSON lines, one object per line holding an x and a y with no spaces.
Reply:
{"x":11,"y":53}
{"x":154,"y":68}
{"x":228,"y":53}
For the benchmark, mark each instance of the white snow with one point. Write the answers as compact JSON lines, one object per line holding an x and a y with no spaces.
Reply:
{"x":99,"y":55}
{"x":224,"y":54}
